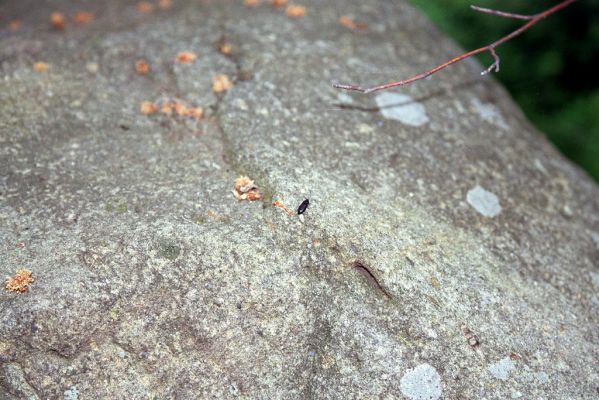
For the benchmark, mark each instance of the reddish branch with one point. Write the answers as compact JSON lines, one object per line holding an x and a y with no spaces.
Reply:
{"x":532,"y":19}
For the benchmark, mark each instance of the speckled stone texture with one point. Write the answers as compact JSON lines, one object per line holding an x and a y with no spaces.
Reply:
{"x":153,"y":282}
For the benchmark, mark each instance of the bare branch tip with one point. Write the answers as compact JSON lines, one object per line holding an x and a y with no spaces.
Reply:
{"x":532,"y":20}
{"x":348,"y":87}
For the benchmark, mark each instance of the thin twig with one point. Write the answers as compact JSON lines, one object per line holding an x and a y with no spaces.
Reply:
{"x":490,"y":48}
{"x":495,"y":64}
{"x":502,"y":13}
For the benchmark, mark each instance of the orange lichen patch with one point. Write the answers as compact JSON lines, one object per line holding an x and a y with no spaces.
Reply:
{"x":20,"y":282}
{"x":295,"y":11}
{"x":165,"y":4}
{"x":58,"y":21}
{"x":145,"y":7}
{"x":282,"y":206}
{"x":279,"y":3}
{"x":147,"y":108}
{"x":246,"y":189}
{"x":185,"y":57}
{"x":349,"y":23}
{"x":83,"y":17}
{"x":251,"y":3}
{"x":14,"y":25}
{"x":142,"y":67}
{"x":221,"y":83}
{"x":41,"y":67}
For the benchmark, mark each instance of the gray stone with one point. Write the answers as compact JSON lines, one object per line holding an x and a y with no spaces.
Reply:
{"x":152,"y":281}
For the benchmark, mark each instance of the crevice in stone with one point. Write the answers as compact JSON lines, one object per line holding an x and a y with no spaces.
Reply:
{"x":228,"y":156}
{"x":370,"y":277}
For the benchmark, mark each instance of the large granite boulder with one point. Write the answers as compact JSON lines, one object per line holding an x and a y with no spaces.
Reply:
{"x":448,"y":251}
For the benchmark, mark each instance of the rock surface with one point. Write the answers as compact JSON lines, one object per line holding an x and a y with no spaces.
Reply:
{"x":153,"y":282}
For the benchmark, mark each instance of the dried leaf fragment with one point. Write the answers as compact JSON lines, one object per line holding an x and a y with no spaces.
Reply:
{"x":295,"y":11}
{"x":41,"y":67}
{"x":471,"y":337}
{"x":83,"y":17}
{"x":246,"y":189}
{"x":251,"y":3}
{"x":186,"y":57}
{"x":225,"y":48}
{"x":282,"y":206}
{"x":195,"y":112}
{"x":279,"y":3}
{"x":167,"y":108}
{"x":15,"y":25}
{"x":58,"y":21}
{"x":165,"y":4}
{"x":147,"y":108}
{"x":142,"y":67}
{"x":20,"y":282}
{"x":349,"y":23}
{"x":252,"y":195}
{"x":244,"y":184}
{"x":145,"y":7}
{"x":180,"y":108}
{"x":221,"y":83}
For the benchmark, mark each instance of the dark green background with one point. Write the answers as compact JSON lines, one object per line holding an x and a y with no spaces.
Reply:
{"x":551,"y":70}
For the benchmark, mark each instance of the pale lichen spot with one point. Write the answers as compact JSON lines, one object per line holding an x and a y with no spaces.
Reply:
{"x":365,"y":128}
{"x":71,"y":393}
{"x":595,"y":237}
{"x":489,"y":113}
{"x":402,"y":108}
{"x":421,"y":383}
{"x":502,"y":368}
{"x":483,"y":201}
{"x":541,"y":377}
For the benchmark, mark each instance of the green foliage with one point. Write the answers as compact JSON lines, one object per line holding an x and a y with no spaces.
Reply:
{"x":550,"y":70}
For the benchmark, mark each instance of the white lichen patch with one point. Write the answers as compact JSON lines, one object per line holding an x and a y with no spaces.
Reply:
{"x":364,"y":128}
{"x":489,"y":113}
{"x":502,"y":368}
{"x":541,"y":377}
{"x":402,"y":108}
{"x":421,"y":383}
{"x":71,"y":394}
{"x":595,"y":237}
{"x":483,"y":201}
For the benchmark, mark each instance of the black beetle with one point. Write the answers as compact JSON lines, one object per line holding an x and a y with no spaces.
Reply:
{"x":302,"y":207}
